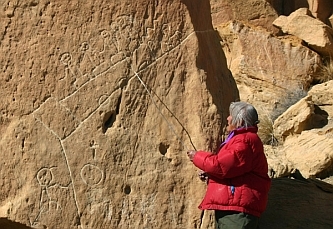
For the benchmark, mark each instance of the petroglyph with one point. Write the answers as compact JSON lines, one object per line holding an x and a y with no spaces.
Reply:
{"x":85,"y":64}
{"x":102,"y":64}
{"x":66,"y":60}
{"x":91,"y":175}
{"x":60,"y":120}
{"x":47,"y":202}
{"x":108,"y":211}
{"x":44,"y":177}
{"x":94,"y":146}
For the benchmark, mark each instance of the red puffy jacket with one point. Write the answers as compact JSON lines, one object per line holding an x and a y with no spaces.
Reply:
{"x":238,"y":179}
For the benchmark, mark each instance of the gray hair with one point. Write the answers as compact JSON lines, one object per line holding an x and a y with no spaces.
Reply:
{"x":243,"y":114}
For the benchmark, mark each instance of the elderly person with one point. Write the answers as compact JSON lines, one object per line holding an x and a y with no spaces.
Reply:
{"x":238,"y":182}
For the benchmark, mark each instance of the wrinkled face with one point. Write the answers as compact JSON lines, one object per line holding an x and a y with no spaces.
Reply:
{"x":230,"y":127}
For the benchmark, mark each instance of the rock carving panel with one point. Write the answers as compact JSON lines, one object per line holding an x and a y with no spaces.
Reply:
{"x":94,"y":66}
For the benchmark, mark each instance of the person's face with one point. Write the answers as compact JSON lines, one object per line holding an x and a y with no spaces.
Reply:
{"x":230,"y":127}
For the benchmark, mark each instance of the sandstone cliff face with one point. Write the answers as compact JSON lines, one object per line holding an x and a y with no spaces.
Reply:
{"x":99,"y":103}
{"x":257,"y":12}
{"x":267,"y":68}
{"x":284,"y":74}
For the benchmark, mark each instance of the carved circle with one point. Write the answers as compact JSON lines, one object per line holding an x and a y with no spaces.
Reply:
{"x":44,"y":177}
{"x":91,"y":174}
{"x":66,"y":58}
{"x":84,"y":46}
{"x":105,"y":34}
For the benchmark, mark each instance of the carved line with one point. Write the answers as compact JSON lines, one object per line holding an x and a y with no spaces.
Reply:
{"x":173,"y":210}
{"x":49,"y":129}
{"x":91,"y":114}
{"x":61,"y":141}
{"x":111,"y":66}
{"x":67,"y":164}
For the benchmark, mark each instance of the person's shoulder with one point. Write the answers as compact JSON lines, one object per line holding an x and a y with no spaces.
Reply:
{"x":248,"y":135}
{"x":252,"y":130}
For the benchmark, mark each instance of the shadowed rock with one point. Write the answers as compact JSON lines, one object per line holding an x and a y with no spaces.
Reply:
{"x":297,"y":203}
{"x":8,"y":224}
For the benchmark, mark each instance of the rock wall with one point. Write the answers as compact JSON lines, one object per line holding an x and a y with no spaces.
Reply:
{"x":99,"y":103}
{"x":257,"y":12}
{"x":268,"y":69}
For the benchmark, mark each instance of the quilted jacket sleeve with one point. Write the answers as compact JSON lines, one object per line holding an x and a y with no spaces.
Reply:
{"x":234,"y":159}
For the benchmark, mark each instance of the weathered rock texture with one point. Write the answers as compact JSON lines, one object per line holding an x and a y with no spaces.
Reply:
{"x":305,"y":129}
{"x":286,"y":7}
{"x":315,"y":33}
{"x":321,"y":9}
{"x":321,"y":96}
{"x":257,"y":12}
{"x":298,"y":204}
{"x":295,"y":119}
{"x":98,"y":103}
{"x":269,"y":71}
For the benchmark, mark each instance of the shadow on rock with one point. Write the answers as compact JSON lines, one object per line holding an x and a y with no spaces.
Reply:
{"x":8,"y":224}
{"x":295,"y":203}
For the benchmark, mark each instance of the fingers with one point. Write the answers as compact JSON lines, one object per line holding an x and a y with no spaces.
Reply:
{"x":191,"y":154}
{"x":203,"y":176}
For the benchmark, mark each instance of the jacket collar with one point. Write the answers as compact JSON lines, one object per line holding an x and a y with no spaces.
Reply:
{"x":253,"y":129}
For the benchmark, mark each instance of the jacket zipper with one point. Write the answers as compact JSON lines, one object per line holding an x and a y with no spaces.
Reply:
{"x":232,"y":189}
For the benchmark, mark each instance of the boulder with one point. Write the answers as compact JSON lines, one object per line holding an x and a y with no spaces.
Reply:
{"x":305,"y":132}
{"x":295,"y":119}
{"x":311,"y":152}
{"x":270,"y":72}
{"x":317,"y":35}
{"x":278,"y":164}
{"x":322,"y":97}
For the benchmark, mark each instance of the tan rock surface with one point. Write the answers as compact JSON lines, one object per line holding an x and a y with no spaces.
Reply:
{"x":315,"y":33}
{"x":256,"y":12}
{"x":278,"y":164}
{"x":305,"y":131}
{"x":295,"y":119}
{"x":90,"y":99}
{"x":88,"y":143}
{"x":322,"y":96}
{"x":270,"y":72}
{"x":311,"y":152}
